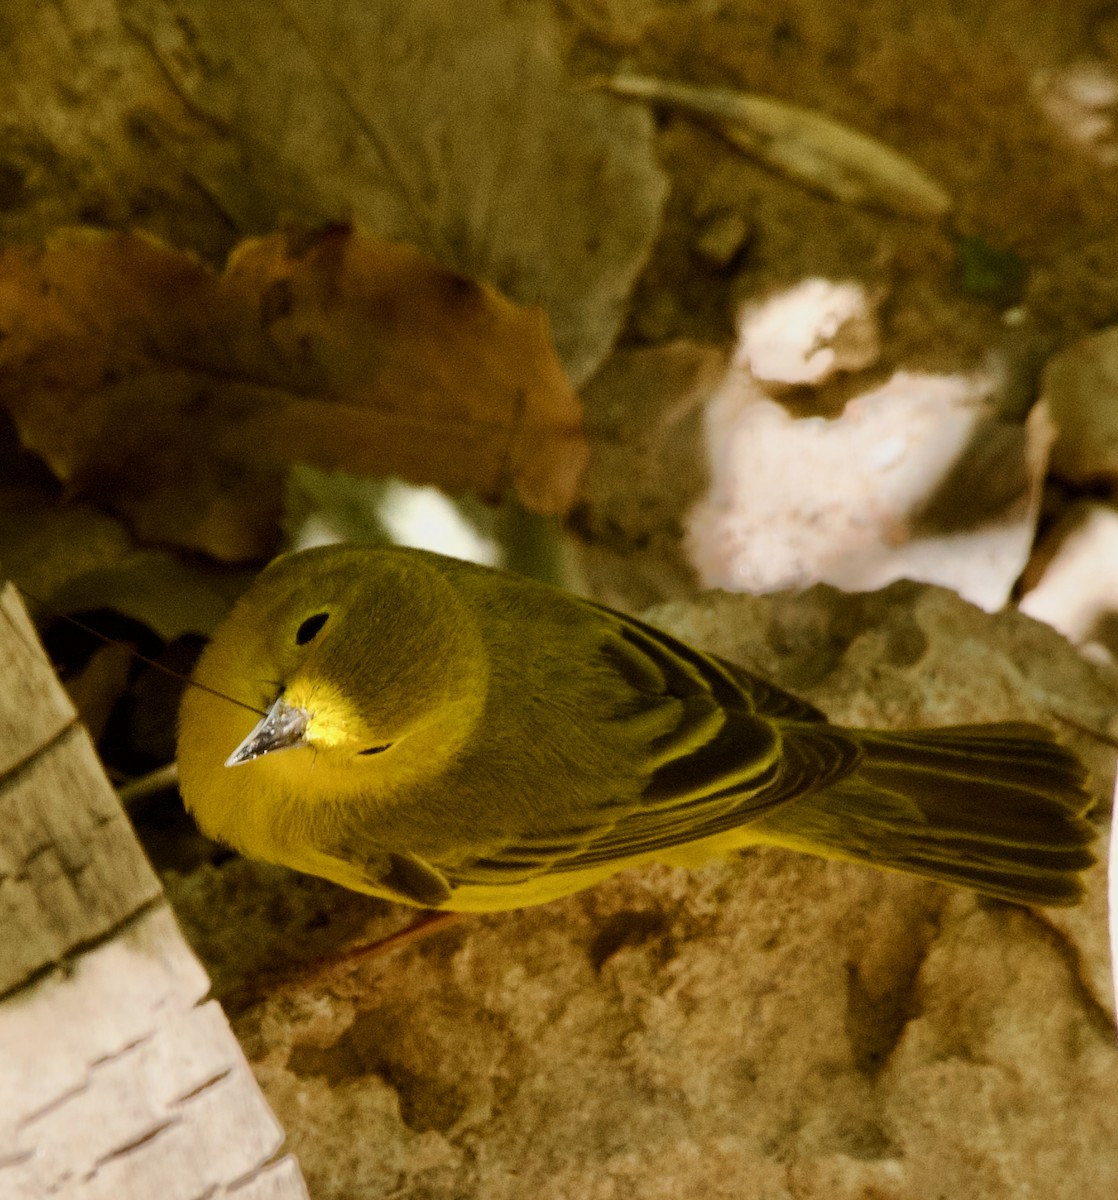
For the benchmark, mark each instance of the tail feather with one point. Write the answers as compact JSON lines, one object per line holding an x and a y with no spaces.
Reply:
{"x":996,"y":808}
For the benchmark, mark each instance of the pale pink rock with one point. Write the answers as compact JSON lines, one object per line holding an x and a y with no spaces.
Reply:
{"x":920,"y":478}
{"x":1077,"y":592}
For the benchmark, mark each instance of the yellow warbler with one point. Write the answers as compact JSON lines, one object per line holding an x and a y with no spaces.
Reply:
{"x":455,"y":737}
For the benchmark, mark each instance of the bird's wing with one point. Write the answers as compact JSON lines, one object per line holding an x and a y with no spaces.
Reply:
{"x":735,"y":749}
{"x":727,"y":681}
{"x":404,"y":878}
{"x":768,"y":699}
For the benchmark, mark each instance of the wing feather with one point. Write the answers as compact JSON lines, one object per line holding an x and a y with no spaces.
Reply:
{"x":735,"y":748}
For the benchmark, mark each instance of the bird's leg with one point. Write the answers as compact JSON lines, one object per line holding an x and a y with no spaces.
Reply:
{"x":323,"y":970}
{"x":323,"y":974}
{"x":423,"y":927}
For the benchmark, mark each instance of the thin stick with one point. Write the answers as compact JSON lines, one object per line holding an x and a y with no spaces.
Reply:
{"x":151,"y":662}
{"x":150,"y":784}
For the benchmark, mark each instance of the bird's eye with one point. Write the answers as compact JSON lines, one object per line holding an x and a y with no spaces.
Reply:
{"x":309,"y":628}
{"x":376,"y":749}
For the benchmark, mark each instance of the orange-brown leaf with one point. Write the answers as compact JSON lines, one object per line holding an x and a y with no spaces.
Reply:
{"x":178,"y":396}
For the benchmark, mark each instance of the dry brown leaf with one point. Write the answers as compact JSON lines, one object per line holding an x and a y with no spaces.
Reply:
{"x":454,"y":127}
{"x":99,"y":685}
{"x":178,"y":396}
{"x":45,"y":545}
{"x":69,"y":558}
{"x":1081,"y":386}
{"x":648,"y":466}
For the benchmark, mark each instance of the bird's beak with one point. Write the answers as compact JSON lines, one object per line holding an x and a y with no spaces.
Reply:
{"x":282,"y":727}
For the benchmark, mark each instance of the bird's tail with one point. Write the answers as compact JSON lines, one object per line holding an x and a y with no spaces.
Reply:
{"x":997,"y":808}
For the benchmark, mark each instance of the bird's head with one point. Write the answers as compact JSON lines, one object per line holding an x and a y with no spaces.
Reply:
{"x":365,"y":663}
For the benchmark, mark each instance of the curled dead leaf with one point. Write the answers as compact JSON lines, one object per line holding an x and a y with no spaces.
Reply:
{"x":178,"y":397}
{"x":806,"y":146}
